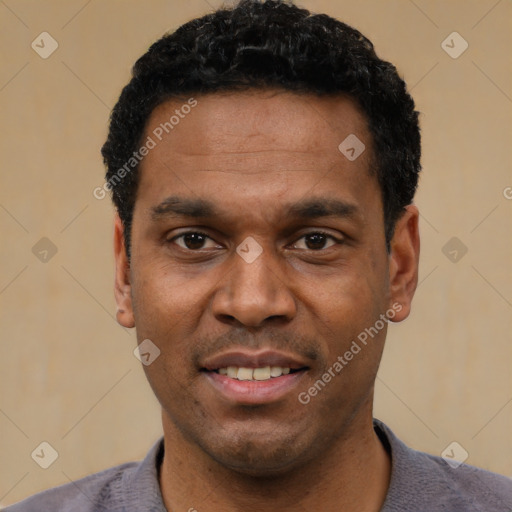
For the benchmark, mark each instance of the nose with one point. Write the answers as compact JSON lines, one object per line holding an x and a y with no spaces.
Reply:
{"x":253,"y":293}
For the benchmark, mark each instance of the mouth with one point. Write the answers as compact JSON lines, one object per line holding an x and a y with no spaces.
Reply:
{"x":259,"y":374}
{"x":247,"y":378}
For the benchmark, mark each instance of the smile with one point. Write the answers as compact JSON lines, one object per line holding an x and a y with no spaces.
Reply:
{"x":262,"y":373}
{"x":246,"y":377}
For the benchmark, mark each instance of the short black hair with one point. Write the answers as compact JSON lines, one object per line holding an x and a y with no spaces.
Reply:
{"x":269,"y":44}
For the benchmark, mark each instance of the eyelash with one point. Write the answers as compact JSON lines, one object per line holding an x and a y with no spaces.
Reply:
{"x":327,"y":235}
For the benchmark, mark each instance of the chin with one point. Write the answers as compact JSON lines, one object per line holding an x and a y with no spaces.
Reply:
{"x":260,"y":458}
{"x":259,"y":463}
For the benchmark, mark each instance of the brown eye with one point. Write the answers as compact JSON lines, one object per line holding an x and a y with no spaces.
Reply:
{"x":317,"y":241}
{"x":193,"y":240}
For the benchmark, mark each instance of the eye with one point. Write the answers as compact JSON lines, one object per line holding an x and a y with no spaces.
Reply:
{"x":196,"y":240}
{"x":193,"y":240}
{"x":316,"y":241}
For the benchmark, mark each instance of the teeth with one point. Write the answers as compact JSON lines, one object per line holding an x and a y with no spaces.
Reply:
{"x":261,"y":373}
{"x":276,"y":371}
{"x":232,"y":371}
{"x":245,"y":374}
{"x":264,"y":373}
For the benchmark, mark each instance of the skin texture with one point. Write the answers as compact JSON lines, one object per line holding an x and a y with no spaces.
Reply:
{"x":253,"y":154}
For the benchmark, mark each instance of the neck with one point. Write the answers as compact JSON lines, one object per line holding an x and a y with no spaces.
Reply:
{"x":352,"y":476}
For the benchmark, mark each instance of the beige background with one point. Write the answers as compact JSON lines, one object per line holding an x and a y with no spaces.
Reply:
{"x":68,"y":375}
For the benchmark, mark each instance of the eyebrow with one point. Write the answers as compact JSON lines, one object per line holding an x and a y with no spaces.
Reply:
{"x":321,"y":207}
{"x":176,"y":206}
{"x":311,"y":208}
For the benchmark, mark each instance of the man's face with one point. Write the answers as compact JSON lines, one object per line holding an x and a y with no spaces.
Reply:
{"x":256,"y":242}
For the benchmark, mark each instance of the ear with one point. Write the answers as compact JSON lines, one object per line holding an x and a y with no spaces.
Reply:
{"x":122,"y":288}
{"x":403,"y":263}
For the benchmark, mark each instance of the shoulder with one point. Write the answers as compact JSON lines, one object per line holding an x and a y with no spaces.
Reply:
{"x":90,"y":494}
{"x":476,"y":488}
{"x":129,"y":487}
{"x":424,"y":482}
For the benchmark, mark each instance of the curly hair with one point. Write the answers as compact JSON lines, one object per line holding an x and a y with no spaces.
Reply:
{"x":270,"y":44}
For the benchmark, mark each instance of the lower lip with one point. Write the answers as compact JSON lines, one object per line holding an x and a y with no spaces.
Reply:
{"x":251,"y":392}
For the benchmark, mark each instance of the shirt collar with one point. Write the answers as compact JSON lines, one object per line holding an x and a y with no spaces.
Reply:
{"x":141,"y":488}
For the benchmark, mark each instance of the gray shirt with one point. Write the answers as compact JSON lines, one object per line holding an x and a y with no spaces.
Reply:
{"x":419,"y":483}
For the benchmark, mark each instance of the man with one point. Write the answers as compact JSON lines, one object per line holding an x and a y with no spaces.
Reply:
{"x":263,"y":163}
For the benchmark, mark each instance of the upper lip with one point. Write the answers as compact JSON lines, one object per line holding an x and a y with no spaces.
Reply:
{"x":253,"y":359}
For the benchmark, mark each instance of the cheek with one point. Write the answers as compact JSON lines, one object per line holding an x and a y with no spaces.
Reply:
{"x":348,"y":300}
{"x":164,"y":299}
{"x":167,"y":311}
{"x":353,"y":345}
{"x":347,"y":317}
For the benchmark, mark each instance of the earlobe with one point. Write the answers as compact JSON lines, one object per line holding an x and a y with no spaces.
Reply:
{"x":403,"y":262}
{"x":122,"y":285}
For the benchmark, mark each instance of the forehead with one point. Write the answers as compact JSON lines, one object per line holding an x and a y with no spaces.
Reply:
{"x":253,"y":146}
{"x":258,"y":120}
